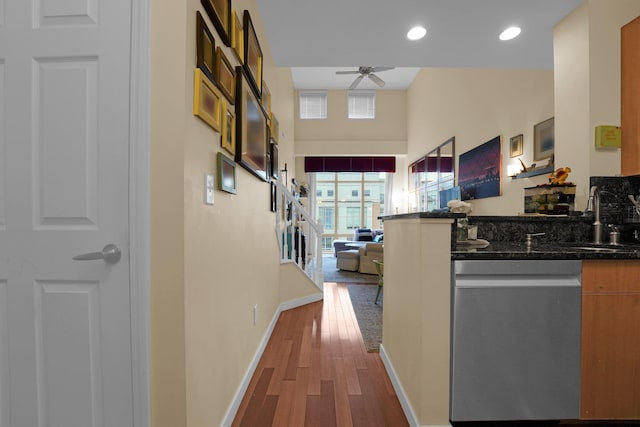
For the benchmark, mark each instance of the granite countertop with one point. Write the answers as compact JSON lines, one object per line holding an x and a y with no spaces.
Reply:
{"x":544,"y":250}
{"x":418,"y":215}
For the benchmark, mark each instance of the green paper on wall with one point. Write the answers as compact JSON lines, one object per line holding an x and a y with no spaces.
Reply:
{"x":608,"y":137}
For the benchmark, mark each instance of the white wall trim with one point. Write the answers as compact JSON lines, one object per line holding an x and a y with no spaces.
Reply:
{"x":139,"y":214}
{"x":244,"y":385}
{"x":402,"y":396}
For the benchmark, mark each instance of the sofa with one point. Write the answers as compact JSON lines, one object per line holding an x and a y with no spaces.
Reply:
{"x":367,"y":254}
{"x":360,"y":235}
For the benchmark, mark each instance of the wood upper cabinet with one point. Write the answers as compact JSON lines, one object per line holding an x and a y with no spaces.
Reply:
{"x":610,"y":377}
{"x":630,"y":98}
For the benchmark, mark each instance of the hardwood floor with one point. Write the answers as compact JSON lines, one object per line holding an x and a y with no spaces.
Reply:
{"x":315,"y":371}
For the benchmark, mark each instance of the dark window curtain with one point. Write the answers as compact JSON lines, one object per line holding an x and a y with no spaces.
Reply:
{"x":350,"y":164}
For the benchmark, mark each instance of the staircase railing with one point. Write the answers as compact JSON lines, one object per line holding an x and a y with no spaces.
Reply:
{"x":299,"y":235}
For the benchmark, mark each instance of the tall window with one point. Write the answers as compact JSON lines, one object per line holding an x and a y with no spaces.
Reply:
{"x":353,"y":217}
{"x":313,"y":105}
{"x":361,"y":104}
{"x":327,"y":215}
{"x":358,"y":201}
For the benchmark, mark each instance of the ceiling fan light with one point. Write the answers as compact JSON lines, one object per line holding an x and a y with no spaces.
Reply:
{"x":416,"y":33}
{"x":510,"y":33}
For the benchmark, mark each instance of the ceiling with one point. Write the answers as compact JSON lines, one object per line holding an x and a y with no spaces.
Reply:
{"x":316,"y":38}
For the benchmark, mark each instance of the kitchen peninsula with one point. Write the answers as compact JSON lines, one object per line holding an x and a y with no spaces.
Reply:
{"x":419,"y":257}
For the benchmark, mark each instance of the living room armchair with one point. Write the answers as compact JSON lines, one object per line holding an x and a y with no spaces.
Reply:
{"x":368,"y":253}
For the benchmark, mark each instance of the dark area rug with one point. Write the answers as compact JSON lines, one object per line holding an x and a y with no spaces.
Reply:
{"x":332,"y":274}
{"x":368,"y":314}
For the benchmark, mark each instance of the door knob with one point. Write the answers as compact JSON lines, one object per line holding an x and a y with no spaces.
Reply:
{"x":110,"y":254}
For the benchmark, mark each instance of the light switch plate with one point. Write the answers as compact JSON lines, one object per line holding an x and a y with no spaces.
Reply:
{"x":208,"y":189}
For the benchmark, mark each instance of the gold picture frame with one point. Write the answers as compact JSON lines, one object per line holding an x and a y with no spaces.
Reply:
{"x":205,"y":47}
{"x":237,"y":37}
{"x":253,"y":58}
{"x":516,"y":146}
{"x":225,"y":76}
{"x":274,"y":128}
{"x":219,"y":12}
{"x":266,"y":98}
{"x":228,"y":133}
{"x":207,"y":100}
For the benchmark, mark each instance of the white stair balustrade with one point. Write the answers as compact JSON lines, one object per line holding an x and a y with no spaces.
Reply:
{"x":299,"y":235}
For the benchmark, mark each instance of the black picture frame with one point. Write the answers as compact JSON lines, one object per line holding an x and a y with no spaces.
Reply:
{"x":205,"y":48}
{"x":253,"y":58}
{"x":227,"y":174}
{"x":274,"y":159}
{"x":273,"y":199}
{"x":219,"y":11}
{"x":252,"y":131}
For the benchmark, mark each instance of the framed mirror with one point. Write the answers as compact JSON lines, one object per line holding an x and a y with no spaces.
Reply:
{"x":432,"y":178}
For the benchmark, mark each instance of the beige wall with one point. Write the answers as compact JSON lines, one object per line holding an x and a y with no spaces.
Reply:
{"x":587,"y":83}
{"x":167,"y":323}
{"x":474,"y":106}
{"x":209,"y":264}
{"x":338,"y":135}
{"x":415,"y":334}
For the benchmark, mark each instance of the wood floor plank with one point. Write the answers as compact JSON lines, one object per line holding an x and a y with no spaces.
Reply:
{"x":321,"y":411}
{"x":358,"y":411}
{"x":343,"y":407}
{"x":285,"y":403}
{"x":315,"y":371}
{"x":351,"y":375}
{"x":258,"y":397}
{"x":299,"y":408}
{"x":279,"y":363}
{"x":305,"y":348}
{"x":373,"y":406}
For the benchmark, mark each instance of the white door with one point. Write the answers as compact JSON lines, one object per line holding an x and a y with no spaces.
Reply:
{"x":65,"y":330}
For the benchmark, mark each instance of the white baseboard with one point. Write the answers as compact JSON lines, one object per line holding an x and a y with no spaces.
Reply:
{"x":402,"y":396}
{"x":244,"y":385}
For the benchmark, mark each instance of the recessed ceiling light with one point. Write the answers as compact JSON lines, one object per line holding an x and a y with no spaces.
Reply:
{"x":416,"y":33}
{"x":510,"y":33}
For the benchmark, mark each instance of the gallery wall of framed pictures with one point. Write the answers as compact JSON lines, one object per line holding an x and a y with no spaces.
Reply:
{"x":230,"y":94}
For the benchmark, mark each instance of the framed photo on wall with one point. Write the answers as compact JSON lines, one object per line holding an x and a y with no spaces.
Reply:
{"x":237,"y":37}
{"x":543,"y":139}
{"x":219,"y":12}
{"x":516,"y":146}
{"x":252,"y":55}
{"x":252,"y":133}
{"x":225,"y":76}
{"x":227,"y":174}
{"x":228,"y":132}
{"x":274,"y":127}
{"x":207,"y":100}
{"x":274,"y":197}
{"x":205,"y":47}
{"x":274,"y":167}
{"x":480,"y":171}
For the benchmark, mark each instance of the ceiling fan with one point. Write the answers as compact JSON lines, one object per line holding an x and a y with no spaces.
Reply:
{"x":366,"y":72}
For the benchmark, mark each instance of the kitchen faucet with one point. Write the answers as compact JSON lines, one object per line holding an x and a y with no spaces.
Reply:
{"x":594,"y":203}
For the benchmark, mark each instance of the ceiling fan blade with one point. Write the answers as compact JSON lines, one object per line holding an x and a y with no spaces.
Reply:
{"x":378,"y":69}
{"x":377,"y":80}
{"x":356,"y":82}
{"x":348,"y":72}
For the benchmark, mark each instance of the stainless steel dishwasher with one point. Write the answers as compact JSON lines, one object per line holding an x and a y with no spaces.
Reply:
{"x":515,"y":347}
